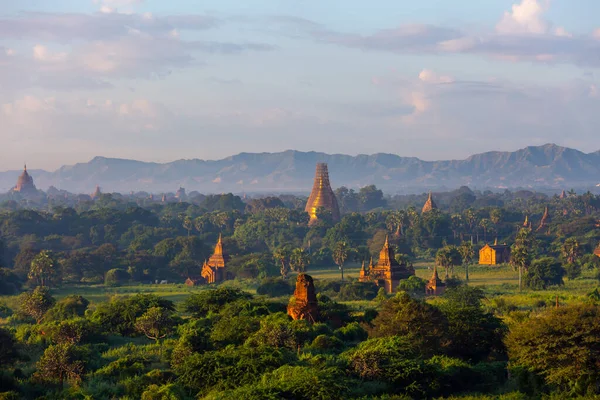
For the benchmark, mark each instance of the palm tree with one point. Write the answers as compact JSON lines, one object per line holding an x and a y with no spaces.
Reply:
{"x":448,"y":257}
{"x":486,"y":225}
{"x":188,"y":224}
{"x":340,"y":255}
{"x":571,"y":250}
{"x":282,"y":254}
{"x":299,"y":259}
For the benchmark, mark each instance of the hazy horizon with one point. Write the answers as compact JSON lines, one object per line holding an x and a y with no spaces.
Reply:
{"x":161,"y":81}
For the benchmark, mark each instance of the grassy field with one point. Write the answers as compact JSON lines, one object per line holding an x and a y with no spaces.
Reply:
{"x":497,"y":282}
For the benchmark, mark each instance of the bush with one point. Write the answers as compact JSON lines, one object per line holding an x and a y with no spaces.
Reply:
{"x":8,"y":351}
{"x":544,"y":272}
{"x":9,"y":283}
{"x":119,"y":315}
{"x":69,"y":307}
{"x":413,"y":285}
{"x":352,"y":332}
{"x":116,"y":277}
{"x":573,"y":270}
{"x":230,"y":368}
{"x":203,"y":303}
{"x":325,"y":342}
{"x":275,"y":287}
{"x":5,"y":312}
{"x":358,"y":291}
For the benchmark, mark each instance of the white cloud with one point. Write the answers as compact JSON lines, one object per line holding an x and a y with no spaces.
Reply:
{"x":428,"y":76}
{"x":560,"y":31}
{"x":41,"y":53}
{"x":107,"y":10}
{"x":526,"y":17}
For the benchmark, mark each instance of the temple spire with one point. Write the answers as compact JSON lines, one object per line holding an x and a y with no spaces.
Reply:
{"x":322,"y":195}
{"x":429,"y":204}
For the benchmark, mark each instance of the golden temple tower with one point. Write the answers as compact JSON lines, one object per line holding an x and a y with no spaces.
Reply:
{"x":322,"y":195}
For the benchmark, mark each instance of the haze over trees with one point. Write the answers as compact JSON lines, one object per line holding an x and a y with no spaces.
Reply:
{"x":235,"y":340}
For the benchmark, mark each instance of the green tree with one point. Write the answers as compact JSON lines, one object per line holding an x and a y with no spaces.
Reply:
{"x":68,"y":307}
{"x":299,"y":259}
{"x":544,"y":272}
{"x":44,"y":270}
{"x":282,"y":255}
{"x":36,"y":303}
{"x":60,"y":363}
{"x":563,"y":346}
{"x":209,"y":301}
{"x":188,"y":225}
{"x":116,"y":277}
{"x":421,"y":324}
{"x":571,"y":250}
{"x":8,"y":349}
{"x":475,"y":335}
{"x":156,"y":323}
{"x":467,"y":252}
{"x":448,"y":257}
{"x":340,"y":255}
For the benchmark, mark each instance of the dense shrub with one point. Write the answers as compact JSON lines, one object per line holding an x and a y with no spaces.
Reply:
{"x":10,"y":284}
{"x":358,"y":291}
{"x":69,"y":307}
{"x":275,"y":287}
{"x":201,"y":304}
{"x":119,"y":315}
{"x":544,"y":272}
{"x":116,"y":277}
{"x":230,"y":368}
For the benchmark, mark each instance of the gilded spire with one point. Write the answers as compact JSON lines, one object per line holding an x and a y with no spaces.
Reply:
{"x":219,"y":246}
{"x":362,"y":268}
{"x":371,"y":264}
{"x":526,"y":223}
{"x":435,"y":276}
{"x":496,"y":242}
{"x":322,"y":195}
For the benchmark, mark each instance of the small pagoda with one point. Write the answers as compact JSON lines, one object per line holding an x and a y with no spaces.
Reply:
{"x":435,"y":286}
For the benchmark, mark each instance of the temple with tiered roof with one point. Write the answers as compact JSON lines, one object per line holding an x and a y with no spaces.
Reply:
{"x":388,"y":272}
{"x":213,"y":270}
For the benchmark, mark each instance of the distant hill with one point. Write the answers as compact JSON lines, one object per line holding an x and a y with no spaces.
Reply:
{"x":548,"y":166}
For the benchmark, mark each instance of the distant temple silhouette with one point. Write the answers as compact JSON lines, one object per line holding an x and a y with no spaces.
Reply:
{"x":25,"y":183}
{"x":322,"y":196}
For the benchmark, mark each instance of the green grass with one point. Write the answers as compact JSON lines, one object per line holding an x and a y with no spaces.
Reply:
{"x":500,"y":281}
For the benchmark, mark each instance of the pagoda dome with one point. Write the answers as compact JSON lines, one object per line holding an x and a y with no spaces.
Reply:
{"x":25,"y":182}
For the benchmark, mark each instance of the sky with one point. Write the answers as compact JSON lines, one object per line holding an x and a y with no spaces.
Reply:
{"x":159,"y":80}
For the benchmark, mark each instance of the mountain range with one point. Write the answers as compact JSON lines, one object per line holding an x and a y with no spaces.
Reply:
{"x":537,"y":167}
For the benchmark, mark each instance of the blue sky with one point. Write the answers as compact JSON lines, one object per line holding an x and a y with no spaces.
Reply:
{"x":162,"y":80}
